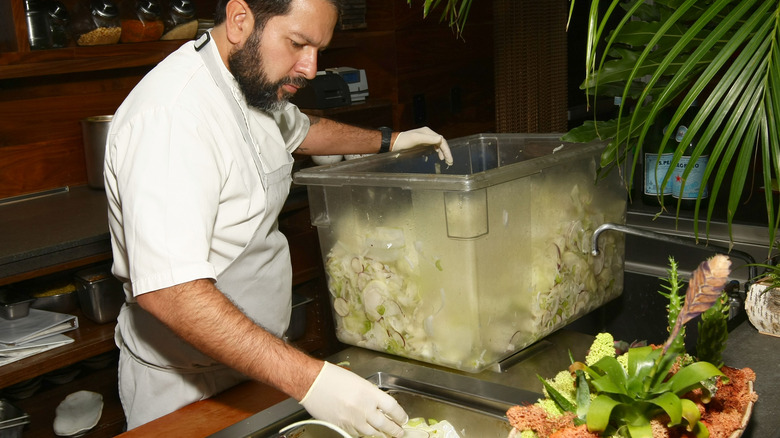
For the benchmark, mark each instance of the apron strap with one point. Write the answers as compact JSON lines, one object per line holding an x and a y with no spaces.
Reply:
{"x":206,"y":51}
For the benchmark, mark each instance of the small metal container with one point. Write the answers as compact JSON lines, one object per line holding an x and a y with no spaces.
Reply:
{"x":13,"y":304}
{"x":61,"y":298}
{"x":100,"y":294}
{"x":12,"y":420}
{"x":95,"y":132}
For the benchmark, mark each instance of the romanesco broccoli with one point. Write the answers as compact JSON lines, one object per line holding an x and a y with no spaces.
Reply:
{"x":603,"y":346}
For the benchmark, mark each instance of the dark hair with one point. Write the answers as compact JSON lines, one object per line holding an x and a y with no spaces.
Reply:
{"x":263,"y":10}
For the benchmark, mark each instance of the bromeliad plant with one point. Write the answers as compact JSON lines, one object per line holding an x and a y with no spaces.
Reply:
{"x":622,"y":398}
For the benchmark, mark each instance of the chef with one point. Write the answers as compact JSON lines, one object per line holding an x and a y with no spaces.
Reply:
{"x":197,"y":169}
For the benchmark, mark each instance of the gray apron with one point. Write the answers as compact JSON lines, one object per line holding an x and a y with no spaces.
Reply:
{"x":159,"y":372}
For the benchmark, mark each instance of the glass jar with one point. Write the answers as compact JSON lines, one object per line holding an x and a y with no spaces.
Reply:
{"x":141,"y":22}
{"x":37,"y":24}
{"x":96,"y":23}
{"x":180,"y":21}
{"x":58,"y":24}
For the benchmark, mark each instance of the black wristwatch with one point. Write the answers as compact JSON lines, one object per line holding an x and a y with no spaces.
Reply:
{"x":387,"y":135}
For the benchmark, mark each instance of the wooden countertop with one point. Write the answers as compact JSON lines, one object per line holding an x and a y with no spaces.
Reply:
{"x":205,"y":417}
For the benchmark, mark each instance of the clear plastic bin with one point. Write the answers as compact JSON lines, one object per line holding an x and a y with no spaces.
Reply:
{"x":464,"y":265}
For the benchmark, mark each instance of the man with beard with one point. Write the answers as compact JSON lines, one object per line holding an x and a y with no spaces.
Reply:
{"x":197,"y":169}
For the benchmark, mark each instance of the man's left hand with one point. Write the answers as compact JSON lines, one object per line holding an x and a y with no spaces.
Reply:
{"x":423,"y":136}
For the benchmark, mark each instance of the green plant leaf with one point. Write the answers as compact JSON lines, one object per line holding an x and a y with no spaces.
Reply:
{"x":691,"y":376}
{"x":455,"y":12}
{"x":600,"y":411}
{"x":641,"y":368}
{"x":639,"y":33}
{"x":613,"y":379}
{"x":691,"y":414}
{"x":557,"y":397}
{"x":670,"y":403}
{"x":700,"y":430}
{"x":640,"y":430}
{"x":583,"y":395}
{"x":640,"y":359}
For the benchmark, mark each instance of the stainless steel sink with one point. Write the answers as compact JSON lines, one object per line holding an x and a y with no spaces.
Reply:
{"x":476,"y":408}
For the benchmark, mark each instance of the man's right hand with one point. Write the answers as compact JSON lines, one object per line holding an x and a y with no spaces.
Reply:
{"x":352,"y":403}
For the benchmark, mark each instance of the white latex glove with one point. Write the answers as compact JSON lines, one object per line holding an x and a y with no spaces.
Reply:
{"x":426,"y":136}
{"x":353,"y":403}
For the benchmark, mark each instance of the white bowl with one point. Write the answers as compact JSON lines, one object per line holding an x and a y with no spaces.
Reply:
{"x":326,"y":159}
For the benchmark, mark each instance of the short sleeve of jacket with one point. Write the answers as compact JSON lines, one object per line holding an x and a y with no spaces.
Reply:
{"x":169,"y":180}
{"x":293,"y":124}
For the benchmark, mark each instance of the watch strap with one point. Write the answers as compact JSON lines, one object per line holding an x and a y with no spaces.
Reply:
{"x":387,"y":134}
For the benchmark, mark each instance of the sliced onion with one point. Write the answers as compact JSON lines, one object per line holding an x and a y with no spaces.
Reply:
{"x":356,"y":265}
{"x":341,"y":306}
{"x":397,"y":336}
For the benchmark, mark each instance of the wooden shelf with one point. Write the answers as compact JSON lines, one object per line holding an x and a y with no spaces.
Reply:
{"x":82,"y":59}
{"x":75,"y":59}
{"x":91,"y":339}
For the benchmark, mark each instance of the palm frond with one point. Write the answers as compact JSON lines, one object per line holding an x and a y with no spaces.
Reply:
{"x":725,"y":55}
{"x":455,"y":12}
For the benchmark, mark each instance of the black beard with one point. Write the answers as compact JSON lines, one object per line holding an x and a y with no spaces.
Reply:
{"x":246,"y":64}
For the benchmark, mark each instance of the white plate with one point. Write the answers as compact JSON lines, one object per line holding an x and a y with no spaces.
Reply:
{"x":78,"y":413}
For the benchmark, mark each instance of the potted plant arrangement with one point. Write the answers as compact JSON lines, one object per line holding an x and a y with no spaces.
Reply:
{"x":651,"y":391}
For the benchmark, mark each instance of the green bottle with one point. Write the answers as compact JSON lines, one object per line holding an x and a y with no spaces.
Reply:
{"x":655,"y":167}
{"x":688,"y":193}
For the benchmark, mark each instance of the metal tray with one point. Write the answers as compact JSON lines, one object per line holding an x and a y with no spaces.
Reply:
{"x":475,"y":408}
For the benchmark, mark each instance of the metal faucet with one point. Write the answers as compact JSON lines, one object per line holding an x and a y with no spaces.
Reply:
{"x":752,"y":269}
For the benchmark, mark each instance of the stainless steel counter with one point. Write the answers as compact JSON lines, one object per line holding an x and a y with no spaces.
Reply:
{"x":490,"y":392}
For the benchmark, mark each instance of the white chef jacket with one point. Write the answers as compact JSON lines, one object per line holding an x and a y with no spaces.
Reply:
{"x":185,"y":198}
{"x":191,"y":197}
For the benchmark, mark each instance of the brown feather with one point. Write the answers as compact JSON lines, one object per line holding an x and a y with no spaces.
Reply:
{"x":704,"y":288}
